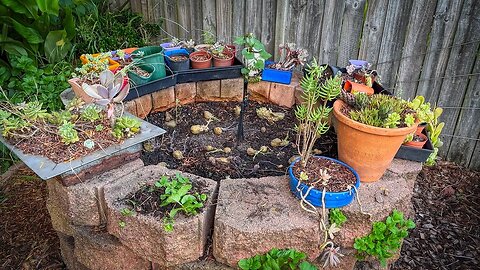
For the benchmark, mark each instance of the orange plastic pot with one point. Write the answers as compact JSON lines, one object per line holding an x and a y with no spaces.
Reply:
{"x":369,"y":150}
{"x":220,"y":62}
{"x":129,"y":50}
{"x":112,"y":64}
{"x":77,"y":89}
{"x":415,"y":144}
{"x":199,"y":64}
{"x":358,"y":87}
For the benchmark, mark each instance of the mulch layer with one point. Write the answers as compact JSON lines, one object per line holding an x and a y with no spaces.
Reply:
{"x":217,"y":164}
{"x":446,"y":202}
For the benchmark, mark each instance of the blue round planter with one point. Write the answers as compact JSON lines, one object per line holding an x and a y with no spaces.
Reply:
{"x":332,"y":199}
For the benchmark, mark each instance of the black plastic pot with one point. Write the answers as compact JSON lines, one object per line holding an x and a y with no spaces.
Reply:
{"x":178,"y":65}
{"x":212,"y":73}
{"x":416,"y":154}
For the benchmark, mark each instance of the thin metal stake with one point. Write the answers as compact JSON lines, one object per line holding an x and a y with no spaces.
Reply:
{"x":240,"y":135}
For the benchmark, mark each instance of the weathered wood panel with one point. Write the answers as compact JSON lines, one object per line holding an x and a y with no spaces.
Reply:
{"x":209,"y":18}
{"x":394,"y":30}
{"x":268,"y":24}
{"x":442,"y":35}
{"x":373,"y":30}
{"x":352,"y":24}
{"x":415,"y":45}
{"x":332,"y":22}
{"x":460,"y":63}
{"x":315,"y":18}
{"x":461,"y":149}
{"x":253,"y":18}
{"x":224,"y":11}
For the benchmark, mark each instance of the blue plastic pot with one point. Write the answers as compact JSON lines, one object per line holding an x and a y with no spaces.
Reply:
{"x":275,"y":75}
{"x":177,"y":66}
{"x":332,"y":199}
{"x":168,"y":46}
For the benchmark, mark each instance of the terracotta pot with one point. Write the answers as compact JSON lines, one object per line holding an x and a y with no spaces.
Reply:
{"x":77,"y":89}
{"x":233,"y":50}
{"x":369,"y":150}
{"x":201,"y":64}
{"x":221,"y":62}
{"x":420,"y":128}
{"x":358,"y":87}
{"x":202,"y":47}
{"x":415,"y":144}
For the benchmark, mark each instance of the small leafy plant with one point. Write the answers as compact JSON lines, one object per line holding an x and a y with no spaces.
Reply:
{"x":385,"y":238}
{"x":68,"y":133}
{"x":178,"y":192}
{"x":290,"y":57}
{"x":125,"y":127}
{"x":277,"y":259}
{"x":254,"y":55}
{"x":336,"y":216}
{"x":91,"y":113}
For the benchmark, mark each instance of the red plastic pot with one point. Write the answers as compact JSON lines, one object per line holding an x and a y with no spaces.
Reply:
{"x":223,"y":62}
{"x":354,"y":87}
{"x":199,"y":64}
{"x":420,"y":128}
{"x":415,"y":144}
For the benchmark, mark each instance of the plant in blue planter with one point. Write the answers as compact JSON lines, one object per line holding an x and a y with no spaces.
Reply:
{"x":281,"y":71}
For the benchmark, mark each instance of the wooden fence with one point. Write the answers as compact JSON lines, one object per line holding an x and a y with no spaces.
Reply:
{"x":419,"y":47}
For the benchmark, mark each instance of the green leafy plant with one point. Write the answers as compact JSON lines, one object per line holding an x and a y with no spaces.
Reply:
{"x":277,"y":259}
{"x":254,"y":55}
{"x":91,"y":113}
{"x":385,"y":238}
{"x":178,"y":193}
{"x":68,"y":133}
{"x":125,"y":127}
{"x":336,"y":216}
{"x":379,"y":110}
{"x":313,"y":120}
{"x":59,"y":117}
{"x":430,"y":116}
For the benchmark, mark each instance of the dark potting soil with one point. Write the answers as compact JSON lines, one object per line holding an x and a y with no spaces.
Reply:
{"x":341,"y":177}
{"x":147,"y":201}
{"x":258,"y":132}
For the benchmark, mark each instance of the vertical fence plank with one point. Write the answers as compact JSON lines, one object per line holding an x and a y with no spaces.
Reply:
{"x":209,"y":18}
{"x":183,"y":16}
{"x":268,"y":25}
{"x":396,"y":22}
{"x":253,"y":18}
{"x":224,"y":10}
{"x":352,"y":24}
{"x":332,"y":22}
{"x":373,"y":30}
{"x":313,"y":26}
{"x":136,"y":6}
{"x":475,"y":160}
{"x":420,"y":23}
{"x":196,"y":20}
{"x":440,"y":38}
{"x":238,"y":19}
{"x":295,"y":26}
{"x":281,"y":23}
{"x":462,"y":150}
{"x":460,"y":63}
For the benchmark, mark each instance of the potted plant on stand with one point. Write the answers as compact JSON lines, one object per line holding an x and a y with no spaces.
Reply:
{"x":360,"y":78}
{"x":281,"y":71}
{"x":370,"y":130}
{"x":201,"y":59}
{"x":254,"y":56}
{"x":321,"y":181}
{"x":178,"y":60}
{"x":221,"y":56}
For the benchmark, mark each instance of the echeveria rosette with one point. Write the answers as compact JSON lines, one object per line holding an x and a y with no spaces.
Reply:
{"x":110,"y":90}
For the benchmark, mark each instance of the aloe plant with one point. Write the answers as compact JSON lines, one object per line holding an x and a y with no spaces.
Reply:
{"x":112,"y":89}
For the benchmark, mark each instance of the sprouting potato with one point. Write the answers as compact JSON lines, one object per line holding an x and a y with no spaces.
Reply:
{"x":276,"y":142}
{"x":209,"y":116}
{"x":263,"y":149}
{"x":251,"y":151}
{"x":177,"y":154}
{"x":218,"y":130}
{"x":237,"y":110}
{"x":223,"y":160}
{"x":263,"y":129}
{"x":227,"y":150}
{"x":168,"y":117}
{"x":197,"y":129}
{"x":171,"y":124}
{"x":209,"y":148}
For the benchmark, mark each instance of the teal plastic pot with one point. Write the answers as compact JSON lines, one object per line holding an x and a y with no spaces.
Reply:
{"x":140,"y":80}
{"x":153,"y":55}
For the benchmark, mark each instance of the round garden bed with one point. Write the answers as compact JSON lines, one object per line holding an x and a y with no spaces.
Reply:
{"x":221,"y":156}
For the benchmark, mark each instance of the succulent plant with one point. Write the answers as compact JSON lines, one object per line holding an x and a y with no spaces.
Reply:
{"x":58,"y":118}
{"x":68,"y":133}
{"x":91,"y":113}
{"x":33,"y":110}
{"x":125,"y":127}
{"x":110,"y":90}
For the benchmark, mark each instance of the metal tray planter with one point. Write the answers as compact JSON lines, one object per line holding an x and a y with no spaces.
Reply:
{"x":137,"y":91}
{"x":46,"y":168}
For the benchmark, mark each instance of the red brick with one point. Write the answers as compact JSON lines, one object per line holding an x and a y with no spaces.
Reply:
{"x":144,"y":106}
{"x":259,"y":91}
{"x":232,"y":89}
{"x":208,"y":91}
{"x":163,"y":99}
{"x":185,"y":92}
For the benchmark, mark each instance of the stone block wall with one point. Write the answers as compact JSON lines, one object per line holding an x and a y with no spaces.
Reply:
{"x":251,"y":216}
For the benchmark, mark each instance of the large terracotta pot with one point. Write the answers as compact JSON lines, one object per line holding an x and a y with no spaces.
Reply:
{"x":369,"y":150}
{"x":77,"y":89}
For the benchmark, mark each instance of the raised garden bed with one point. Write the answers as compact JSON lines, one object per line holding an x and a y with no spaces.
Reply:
{"x":258,"y":132}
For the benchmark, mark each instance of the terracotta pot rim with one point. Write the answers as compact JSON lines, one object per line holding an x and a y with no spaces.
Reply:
{"x":200,"y":52}
{"x":366,"y":128}
{"x":224,"y":59}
